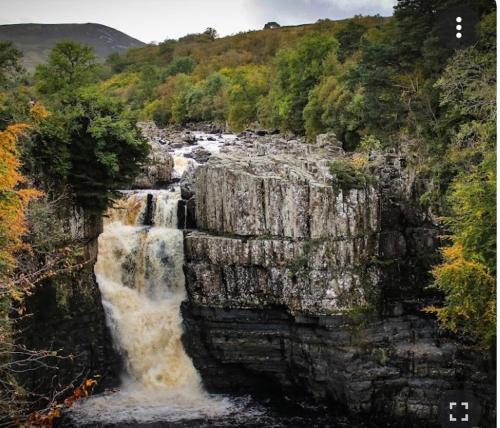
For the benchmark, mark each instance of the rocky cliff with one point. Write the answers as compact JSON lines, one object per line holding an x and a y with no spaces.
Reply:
{"x":302,"y":287}
{"x":67,"y":317}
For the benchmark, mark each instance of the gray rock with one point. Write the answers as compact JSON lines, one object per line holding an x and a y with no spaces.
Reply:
{"x":295,"y":283}
{"x":158,"y":170}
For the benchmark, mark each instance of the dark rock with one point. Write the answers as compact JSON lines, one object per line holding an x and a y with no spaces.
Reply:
{"x":394,"y":369}
{"x":190,"y":139}
{"x":68,"y":317}
{"x":302,"y":289}
{"x":148,"y":217}
{"x":200,"y":155}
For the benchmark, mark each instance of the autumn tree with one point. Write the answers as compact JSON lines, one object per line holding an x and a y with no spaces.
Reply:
{"x":14,"y":199}
{"x":467,"y":275}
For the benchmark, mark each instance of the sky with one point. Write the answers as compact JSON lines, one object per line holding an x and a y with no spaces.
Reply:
{"x":157,"y":20}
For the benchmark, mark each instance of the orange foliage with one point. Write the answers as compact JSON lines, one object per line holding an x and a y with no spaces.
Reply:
{"x":40,"y":420}
{"x":13,"y":200}
{"x":39,"y":111}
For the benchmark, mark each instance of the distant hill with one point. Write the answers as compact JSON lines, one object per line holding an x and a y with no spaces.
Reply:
{"x":36,"y":40}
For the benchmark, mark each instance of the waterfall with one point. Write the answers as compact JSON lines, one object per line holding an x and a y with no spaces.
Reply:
{"x":140,"y":276}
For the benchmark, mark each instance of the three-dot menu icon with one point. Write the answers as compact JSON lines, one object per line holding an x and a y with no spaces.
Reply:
{"x":459,"y":27}
{"x":456,"y":26}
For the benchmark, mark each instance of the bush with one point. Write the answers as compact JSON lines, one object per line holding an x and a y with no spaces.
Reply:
{"x":180,"y":65}
{"x":347,"y":175}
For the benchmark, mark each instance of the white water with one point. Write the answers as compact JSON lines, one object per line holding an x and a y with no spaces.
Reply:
{"x":140,"y":276}
{"x":209,"y":142}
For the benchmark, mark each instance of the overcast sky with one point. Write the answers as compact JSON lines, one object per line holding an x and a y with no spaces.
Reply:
{"x":156,"y":20}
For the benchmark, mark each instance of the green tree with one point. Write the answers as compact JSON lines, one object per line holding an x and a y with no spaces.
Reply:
{"x":334,"y":106}
{"x":13,"y":97}
{"x":179,"y":105}
{"x":184,"y":65}
{"x":70,"y":66}
{"x":91,"y":146}
{"x":211,"y":33}
{"x":248,"y":85}
{"x":349,"y":38}
{"x":467,"y":275}
{"x":10,"y":65}
{"x":297,"y":72}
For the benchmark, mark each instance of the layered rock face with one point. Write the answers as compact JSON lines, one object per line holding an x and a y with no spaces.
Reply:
{"x":301,"y":287}
{"x":279,"y":234}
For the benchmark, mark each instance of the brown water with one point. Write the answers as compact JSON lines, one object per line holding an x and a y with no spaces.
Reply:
{"x":140,"y":276}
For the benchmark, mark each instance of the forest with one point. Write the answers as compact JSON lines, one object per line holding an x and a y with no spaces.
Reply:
{"x":68,"y":135}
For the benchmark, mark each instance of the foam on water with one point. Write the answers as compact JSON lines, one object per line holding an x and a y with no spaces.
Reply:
{"x":209,"y":142}
{"x":140,"y":276}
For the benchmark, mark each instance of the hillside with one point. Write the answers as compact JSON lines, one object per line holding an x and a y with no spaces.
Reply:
{"x":36,"y":40}
{"x":257,"y":46}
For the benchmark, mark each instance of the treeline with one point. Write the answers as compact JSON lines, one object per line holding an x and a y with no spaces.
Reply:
{"x":237,"y":79}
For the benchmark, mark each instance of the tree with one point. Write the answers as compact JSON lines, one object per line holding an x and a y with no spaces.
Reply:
{"x":10,"y":65}
{"x":193,"y":102}
{"x":180,"y":65}
{"x":70,"y":66}
{"x":271,"y":25}
{"x":13,"y":200}
{"x":248,"y":85}
{"x":13,"y":100}
{"x":349,"y":38}
{"x":467,"y":275}
{"x":297,"y":72}
{"x":211,"y":33}
{"x":91,"y":145}
{"x":179,"y":108}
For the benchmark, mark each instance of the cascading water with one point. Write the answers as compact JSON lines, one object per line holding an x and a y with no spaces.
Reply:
{"x":140,"y":276}
{"x":139,"y":272}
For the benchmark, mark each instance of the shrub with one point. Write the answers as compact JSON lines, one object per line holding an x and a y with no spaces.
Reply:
{"x":346,"y":175}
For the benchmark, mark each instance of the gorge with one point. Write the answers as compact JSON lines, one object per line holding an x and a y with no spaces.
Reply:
{"x":293,"y":289}
{"x":287,"y":227}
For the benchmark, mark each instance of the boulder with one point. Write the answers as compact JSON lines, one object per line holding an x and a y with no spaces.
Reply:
{"x":158,"y":170}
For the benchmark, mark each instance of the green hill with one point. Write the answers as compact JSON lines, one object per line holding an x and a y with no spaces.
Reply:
{"x":36,"y":40}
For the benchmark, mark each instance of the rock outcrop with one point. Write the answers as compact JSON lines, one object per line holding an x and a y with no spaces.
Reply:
{"x":160,"y":165}
{"x":301,"y":287}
